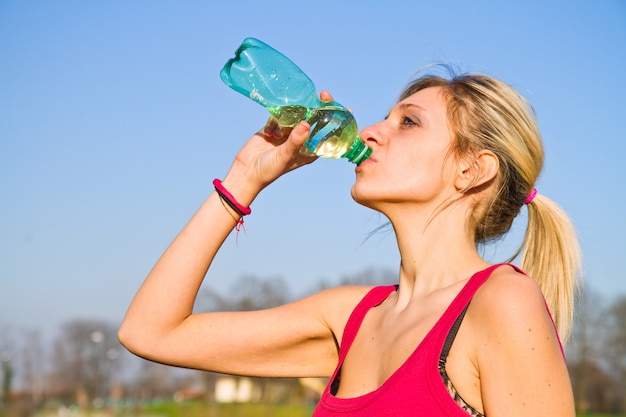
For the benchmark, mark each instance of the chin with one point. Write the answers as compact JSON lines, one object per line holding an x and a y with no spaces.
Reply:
{"x":362,"y":197}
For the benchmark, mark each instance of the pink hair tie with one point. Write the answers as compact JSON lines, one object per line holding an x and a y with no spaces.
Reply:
{"x":531,"y":196}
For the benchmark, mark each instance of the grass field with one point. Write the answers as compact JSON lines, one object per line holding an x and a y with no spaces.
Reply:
{"x":247,"y":410}
{"x":255,"y":410}
{"x":195,"y":409}
{"x":201,"y":409}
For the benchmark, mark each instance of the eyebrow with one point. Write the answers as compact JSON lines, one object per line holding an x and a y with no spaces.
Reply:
{"x":405,"y":106}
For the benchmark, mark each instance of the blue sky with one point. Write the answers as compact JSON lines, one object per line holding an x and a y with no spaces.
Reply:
{"x":113,"y":123}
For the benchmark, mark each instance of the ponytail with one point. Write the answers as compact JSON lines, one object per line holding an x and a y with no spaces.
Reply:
{"x":551,"y":255}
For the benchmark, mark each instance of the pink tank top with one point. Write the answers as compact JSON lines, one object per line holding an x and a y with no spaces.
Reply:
{"x":414,"y":389}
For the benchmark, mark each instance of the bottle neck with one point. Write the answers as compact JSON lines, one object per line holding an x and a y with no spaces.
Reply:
{"x":358,"y":152}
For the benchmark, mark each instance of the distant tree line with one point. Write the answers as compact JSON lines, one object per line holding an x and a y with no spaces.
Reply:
{"x":596,"y":354}
{"x":86,"y":366}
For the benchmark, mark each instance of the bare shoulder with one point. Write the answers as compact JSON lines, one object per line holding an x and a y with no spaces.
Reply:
{"x":510,"y":317}
{"x":509,"y":297}
{"x":516,"y":350}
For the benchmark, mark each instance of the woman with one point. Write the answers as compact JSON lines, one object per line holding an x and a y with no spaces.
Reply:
{"x":452,"y":165}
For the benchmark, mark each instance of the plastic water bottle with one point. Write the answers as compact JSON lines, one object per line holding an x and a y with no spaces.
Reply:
{"x":266,"y":76}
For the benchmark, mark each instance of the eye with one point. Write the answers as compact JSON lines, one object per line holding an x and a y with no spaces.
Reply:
{"x":410,"y":121}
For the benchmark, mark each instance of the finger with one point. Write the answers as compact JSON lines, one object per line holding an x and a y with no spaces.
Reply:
{"x":326,"y":96}
{"x":272,"y":130}
{"x":270,"y":127}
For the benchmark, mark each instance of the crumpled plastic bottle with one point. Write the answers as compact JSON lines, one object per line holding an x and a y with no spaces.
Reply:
{"x":266,"y":76}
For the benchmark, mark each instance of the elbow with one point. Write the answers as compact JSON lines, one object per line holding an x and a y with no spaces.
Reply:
{"x":125,"y":336}
{"x":132,"y":338}
{"x":142,"y":340}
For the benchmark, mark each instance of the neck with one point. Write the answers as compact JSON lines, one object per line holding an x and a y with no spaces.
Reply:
{"x":436,"y":251}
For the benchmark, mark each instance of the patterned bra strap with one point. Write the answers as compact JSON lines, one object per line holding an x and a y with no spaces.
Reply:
{"x":451,"y":336}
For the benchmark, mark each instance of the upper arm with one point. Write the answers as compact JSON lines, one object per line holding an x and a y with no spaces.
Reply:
{"x":519,"y":357}
{"x":296,"y":339}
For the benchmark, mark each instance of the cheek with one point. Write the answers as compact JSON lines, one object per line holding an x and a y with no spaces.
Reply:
{"x":403,"y":176}
{"x":391,"y":187}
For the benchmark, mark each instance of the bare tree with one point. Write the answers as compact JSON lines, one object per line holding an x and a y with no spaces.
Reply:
{"x":7,"y":357}
{"x":33,"y":365}
{"x":7,"y":376}
{"x":369,"y":276}
{"x":155,"y":381}
{"x":616,"y":347}
{"x":248,"y":293}
{"x":597,"y":354}
{"x":585,"y":347}
{"x":594,"y":387}
{"x":85,"y":356}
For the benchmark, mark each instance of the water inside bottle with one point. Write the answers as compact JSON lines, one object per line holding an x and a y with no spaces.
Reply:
{"x":333,"y":128}
{"x":289,"y":116}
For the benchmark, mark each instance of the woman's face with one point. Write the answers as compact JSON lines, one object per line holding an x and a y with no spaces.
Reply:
{"x":410,"y":154}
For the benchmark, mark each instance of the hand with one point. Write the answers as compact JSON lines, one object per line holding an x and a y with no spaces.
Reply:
{"x":272,"y":152}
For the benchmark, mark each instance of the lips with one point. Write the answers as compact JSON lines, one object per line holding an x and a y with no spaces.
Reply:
{"x":372,"y":159}
{"x":368,"y":161}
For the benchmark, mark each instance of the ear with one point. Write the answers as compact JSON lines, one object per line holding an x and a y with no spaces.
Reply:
{"x":473,"y":173}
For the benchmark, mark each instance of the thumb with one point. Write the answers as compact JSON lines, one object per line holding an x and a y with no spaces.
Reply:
{"x":298,"y":136}
{"x":289,"y":156}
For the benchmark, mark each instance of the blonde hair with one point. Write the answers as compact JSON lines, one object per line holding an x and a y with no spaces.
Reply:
{"x":485,"y":113}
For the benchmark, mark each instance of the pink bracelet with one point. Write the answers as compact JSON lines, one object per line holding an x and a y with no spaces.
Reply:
{"x":230,"y":200}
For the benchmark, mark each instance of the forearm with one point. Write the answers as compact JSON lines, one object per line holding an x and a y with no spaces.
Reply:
{"x":166,"y":297}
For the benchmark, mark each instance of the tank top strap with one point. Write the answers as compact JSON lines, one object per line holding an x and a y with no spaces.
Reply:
{"x":373,"y":298}
{"x":479,"y":278}
{"x":462,"y":300}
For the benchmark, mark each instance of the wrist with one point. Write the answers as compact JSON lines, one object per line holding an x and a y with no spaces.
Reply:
{"x":230,"y":200}
{"x":241,"y":188}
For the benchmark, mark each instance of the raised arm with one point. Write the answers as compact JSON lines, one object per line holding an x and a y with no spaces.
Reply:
{"x":160,"y":325}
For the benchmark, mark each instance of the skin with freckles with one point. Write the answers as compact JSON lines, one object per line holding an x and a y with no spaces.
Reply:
{"x":506,"y":359}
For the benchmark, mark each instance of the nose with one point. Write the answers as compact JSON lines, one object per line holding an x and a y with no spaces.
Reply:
{"x":373,"y":135}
